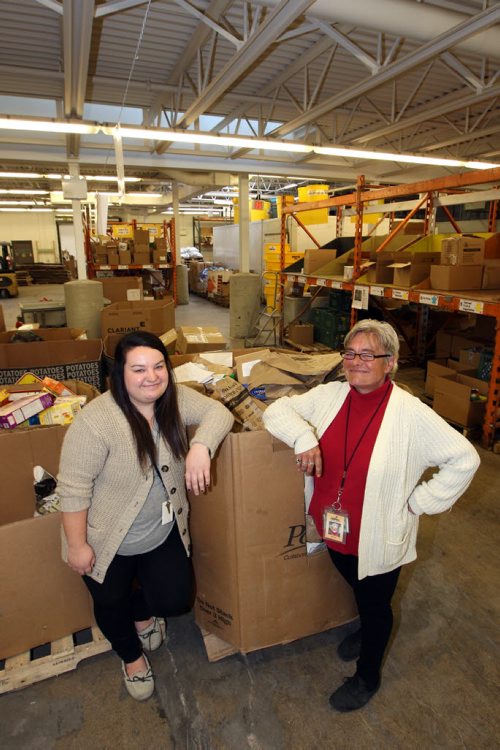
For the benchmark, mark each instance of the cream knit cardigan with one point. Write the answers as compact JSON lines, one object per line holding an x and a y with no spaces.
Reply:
{"x":99,"y":469}
{"x":411,"y":439}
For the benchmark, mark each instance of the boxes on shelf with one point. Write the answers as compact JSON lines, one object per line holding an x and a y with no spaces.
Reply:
{"x":440,"y":367}
{"x":124,"y":257}
{"x":301,"y":333}
{"x":141,"y":258}
{"x":256,"y":586}
{"x":461,"y":398}
{"x":491,"y":274}
{"x":191,"y":339}
{"x":156,"y":316}
{"x":141,"y":240}
{"x":451,"y":278}
{"x":122,"y":288}
{"x":41,"y":598}
{"x":411,"y":269}
{"x":462,"y":250}
{"x":64,"y":353}
{"x":314,"y":259}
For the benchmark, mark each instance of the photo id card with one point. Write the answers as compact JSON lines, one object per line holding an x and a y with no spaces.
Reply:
{"x":167,"y":512}
{"x":335,"y":525}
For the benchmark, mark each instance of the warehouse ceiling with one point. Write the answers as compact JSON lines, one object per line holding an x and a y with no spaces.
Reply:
{"x":403,"y":77}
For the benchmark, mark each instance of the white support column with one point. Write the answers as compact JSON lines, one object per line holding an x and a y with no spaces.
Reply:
{"x":244,"y":209}
{"x":81,"y":262}
{"x":177,"y":217}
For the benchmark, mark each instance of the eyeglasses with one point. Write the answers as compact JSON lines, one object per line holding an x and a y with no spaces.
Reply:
{"x":364,"y":356}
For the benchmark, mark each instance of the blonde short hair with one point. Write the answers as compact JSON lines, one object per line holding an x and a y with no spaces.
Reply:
{"x":386,"y":335}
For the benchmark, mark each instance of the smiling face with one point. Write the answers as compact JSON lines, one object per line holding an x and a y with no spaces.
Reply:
{"x":145,"y":377}
{"x":367,"y":376}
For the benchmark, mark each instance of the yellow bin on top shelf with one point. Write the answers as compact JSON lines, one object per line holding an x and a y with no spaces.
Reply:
{"x":310,"y":193}
{"x":259,"y":210}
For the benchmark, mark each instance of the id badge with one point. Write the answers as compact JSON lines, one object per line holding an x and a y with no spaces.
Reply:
{"x":167,"y":512}
{"x":335,"y":525}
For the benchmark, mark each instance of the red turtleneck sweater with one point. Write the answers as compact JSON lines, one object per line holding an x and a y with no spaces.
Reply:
{"x":362,"y":407}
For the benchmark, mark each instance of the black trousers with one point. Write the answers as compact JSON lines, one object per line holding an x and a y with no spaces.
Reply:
{"x":373,"y":596}
{"x":165,"y":589}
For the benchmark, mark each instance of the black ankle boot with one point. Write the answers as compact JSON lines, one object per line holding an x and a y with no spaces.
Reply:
{"x":349,"y":649}
{"x":353,"y":694}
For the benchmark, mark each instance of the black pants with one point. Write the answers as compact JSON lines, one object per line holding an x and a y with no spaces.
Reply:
{"x":373,"y":596}
{"x":165,"y":579}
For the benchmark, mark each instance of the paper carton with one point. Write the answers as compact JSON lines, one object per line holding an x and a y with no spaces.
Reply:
{"x":256,"y":586}
{"x":314,"y":259}
{"x":440,"y":367}
{"x":156,"y":316}
{"x":191,"y":339}
{"x":456,"y":277}
{"x":301,"y":333}
{"x":491,"y":274}
{"x":453,"y":398}
{"x":462,"y":250}
{"x":116,"y":289}
{"x":41,"y":598}
{"x":61,"y":355}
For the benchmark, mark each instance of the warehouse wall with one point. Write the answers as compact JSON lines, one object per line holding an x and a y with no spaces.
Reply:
{"x":40,"y":228}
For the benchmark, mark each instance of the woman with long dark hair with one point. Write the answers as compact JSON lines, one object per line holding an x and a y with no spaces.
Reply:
{"x":125,"y":465}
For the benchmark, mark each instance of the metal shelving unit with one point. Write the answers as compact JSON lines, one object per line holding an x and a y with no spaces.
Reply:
{"x":481,"y":302}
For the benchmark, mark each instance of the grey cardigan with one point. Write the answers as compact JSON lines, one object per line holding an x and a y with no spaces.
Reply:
{"x":99,"y":470}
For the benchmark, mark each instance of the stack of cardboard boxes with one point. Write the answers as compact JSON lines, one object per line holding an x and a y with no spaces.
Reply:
{"x":135,"y":251}
{"x":468,"y":262}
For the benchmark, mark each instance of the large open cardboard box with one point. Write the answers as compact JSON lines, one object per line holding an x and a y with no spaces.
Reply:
{"x":61,"y":355}
{"x":452,"y":398}
{"x":41,"y":598}
{"x":256,"y":586}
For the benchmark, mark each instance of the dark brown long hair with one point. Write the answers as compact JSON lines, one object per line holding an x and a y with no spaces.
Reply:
{"x":166,"y":407}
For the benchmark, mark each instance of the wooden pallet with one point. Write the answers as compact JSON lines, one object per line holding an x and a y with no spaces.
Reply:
{"x":23,"y":670}
{"x":220,"y":300}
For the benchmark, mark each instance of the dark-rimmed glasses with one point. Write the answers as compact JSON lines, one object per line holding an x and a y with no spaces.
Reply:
{"x":364,"y":356}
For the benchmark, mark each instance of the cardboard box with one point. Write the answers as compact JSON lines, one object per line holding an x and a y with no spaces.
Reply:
{"x":462,"y":250}
{"x":191,"y":339}
{"x":301,"y":333}
{"x":141,"y":240}
{"x":41,"y":598}
{"x":256,"y":587}
{"x":314,"y":259}
{"x":62,"y":355}
{"x":141,"y":258}
{"x":124,"y":257}
{"x":116,"y":289}
{"x":156,"y":316}
{"x":441,"y":367}
{"x":113,"y":258}
{"x":491,"y":274}
{"x":452,"y":398}
{"x":409,"y":273}
{"x":456,"y":277}
{"x":101,"y":259}
{"x":158,"y":256}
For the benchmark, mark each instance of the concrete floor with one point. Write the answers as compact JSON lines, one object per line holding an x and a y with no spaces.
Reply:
{"x":440,"y":686}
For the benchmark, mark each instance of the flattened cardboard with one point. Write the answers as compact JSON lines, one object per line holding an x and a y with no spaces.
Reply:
{"x":256,"y":587}
{"x":314,"y":259}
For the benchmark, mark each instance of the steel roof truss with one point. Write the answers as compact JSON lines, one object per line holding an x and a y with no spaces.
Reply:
{"x":426,"y":52}
{"x":52,"y":5}
{"x":347,"y":44}
{"x":208,"y":22}
{"x":117,"y":7}
{"x":419,"y":83}
{"x":462,"y":71}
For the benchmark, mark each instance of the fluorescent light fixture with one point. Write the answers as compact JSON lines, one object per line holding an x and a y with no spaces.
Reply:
{"x":192,"y":137}
{"x":24,"y":192}
{"x":350,"y":153}
{"x":48,"y":126}
{"x":107,"y":178}
{"x":27,"y":210}
{"x":20,"y":175}
{"x":17,"y":203}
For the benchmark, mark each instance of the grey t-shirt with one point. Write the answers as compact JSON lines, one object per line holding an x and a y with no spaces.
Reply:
{"x":147,"y":531}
